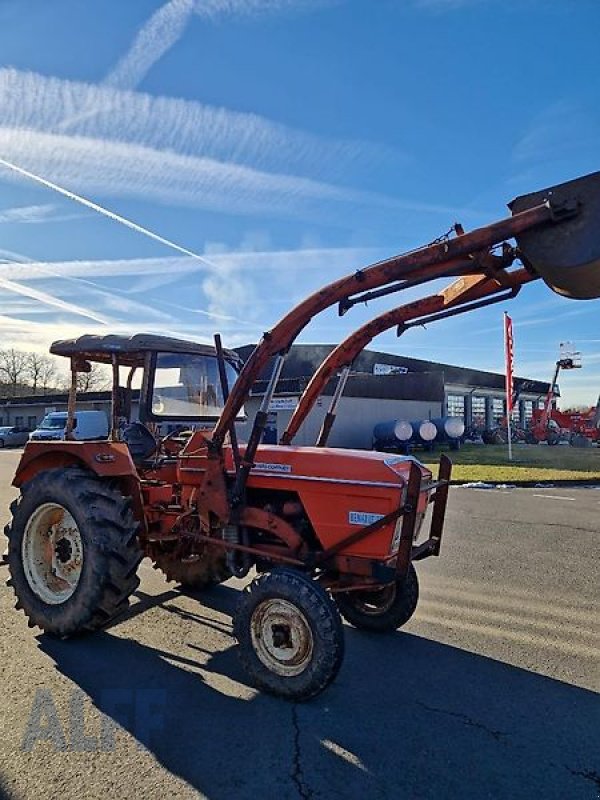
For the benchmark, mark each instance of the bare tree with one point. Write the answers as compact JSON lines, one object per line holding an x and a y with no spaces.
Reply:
{"x":48,"y":374}
{"x":40,"y":370}
{"x":13,"y":369}
{"x":96,"y":380}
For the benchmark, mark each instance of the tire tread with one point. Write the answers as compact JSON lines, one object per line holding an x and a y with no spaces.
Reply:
{"x":112,"y":533}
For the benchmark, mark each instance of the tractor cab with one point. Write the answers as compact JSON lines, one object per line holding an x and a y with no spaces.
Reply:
{"x":182,"y":385}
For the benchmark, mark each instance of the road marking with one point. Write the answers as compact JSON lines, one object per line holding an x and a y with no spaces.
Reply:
{"x":530,"y":640}
{"x":554,"y":497}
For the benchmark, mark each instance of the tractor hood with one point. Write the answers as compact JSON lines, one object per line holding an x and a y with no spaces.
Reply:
{"x":330,"y":464}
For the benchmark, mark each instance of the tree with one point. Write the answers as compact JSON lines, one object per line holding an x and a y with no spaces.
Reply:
{"x":48,"y":375}
{"x":13,"y":369}
{"x":41,"y":371}
{"x":96,"y":380}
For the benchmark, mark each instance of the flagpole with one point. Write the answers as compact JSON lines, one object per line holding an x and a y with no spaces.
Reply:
{"x":508,"y":385}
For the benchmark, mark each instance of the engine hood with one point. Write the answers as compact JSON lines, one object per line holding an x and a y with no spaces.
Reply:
{"x":329,"y":463}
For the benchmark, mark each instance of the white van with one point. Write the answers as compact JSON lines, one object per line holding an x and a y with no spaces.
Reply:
{"x":88,"y":425}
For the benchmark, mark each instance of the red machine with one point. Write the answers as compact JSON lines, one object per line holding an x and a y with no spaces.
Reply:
{"x":578,"y":424}
{"x":329,"y":531}
{"x":548,"y":424}
{"x":586,"y":423}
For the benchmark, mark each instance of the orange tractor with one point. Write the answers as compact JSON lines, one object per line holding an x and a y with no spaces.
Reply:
{"x":330,"y":532}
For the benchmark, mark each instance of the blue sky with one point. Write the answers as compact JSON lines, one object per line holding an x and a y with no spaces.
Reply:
{"x":288,"y":142}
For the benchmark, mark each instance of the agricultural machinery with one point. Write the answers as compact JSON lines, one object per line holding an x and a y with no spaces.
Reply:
{"x":548,"y":424}
{"x":585,"y":424}
{"x":329,"y":532}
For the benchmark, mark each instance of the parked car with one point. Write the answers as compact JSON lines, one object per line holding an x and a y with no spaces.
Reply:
{"x":88,"y":425}
{"x":13,"y":436}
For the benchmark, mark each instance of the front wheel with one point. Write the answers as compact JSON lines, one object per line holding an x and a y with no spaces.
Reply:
{"x":72,"y":551}
{"x":290,"y":635}
{"x":381,"y":610}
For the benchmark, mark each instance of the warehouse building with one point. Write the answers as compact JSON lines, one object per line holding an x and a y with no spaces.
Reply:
{"x":381,"y":387}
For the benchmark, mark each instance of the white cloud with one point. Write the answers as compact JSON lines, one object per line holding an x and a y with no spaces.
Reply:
{"x":155,"y":38}
{"x":167,"y":25}
{"x":29,"y":101}
{"x":181,"y":153}
{"x":237,"y":292}
{"x":27,"y":214}
{"x":50,"y":300}
{"x":112,"y":168}
{"x":259,"y":262}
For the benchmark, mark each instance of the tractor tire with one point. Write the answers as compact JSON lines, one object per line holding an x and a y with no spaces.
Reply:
{"x":382,"y":611}
{"x":578,"y":440}
{"x":73,"y":552}
{"x":290,"y":635}
{"x":207,"y":570}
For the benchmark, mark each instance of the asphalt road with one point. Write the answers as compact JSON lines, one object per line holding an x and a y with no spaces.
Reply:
{"x":489,"y":692}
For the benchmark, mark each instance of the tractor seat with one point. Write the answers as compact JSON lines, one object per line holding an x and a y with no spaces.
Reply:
{"x":140,"y":441}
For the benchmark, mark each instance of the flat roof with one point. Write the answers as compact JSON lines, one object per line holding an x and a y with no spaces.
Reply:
{"x":303,"y":360}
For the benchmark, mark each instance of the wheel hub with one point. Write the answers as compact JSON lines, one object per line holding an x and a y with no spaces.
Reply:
{"x":63,"y":550}
{"x":52,"y":553}
{"x":281,"y":637}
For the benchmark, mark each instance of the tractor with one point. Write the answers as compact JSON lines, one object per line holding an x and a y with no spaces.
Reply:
{"x":327,"y":533}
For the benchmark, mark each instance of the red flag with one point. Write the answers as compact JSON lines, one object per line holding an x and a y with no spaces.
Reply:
{"x":509,"y":354}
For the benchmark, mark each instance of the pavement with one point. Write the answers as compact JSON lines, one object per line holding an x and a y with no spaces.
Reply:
{"x":491,"y":691}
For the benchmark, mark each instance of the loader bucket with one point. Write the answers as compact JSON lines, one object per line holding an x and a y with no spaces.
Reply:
{"x":566,"y":252}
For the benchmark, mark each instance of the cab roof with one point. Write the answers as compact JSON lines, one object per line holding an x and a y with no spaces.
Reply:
{"x":131,"y":350}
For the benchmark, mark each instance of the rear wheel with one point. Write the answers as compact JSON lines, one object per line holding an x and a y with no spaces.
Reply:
{"x":382,"y":610}
{"x":73,"y":552}
{"x":291,"y":639}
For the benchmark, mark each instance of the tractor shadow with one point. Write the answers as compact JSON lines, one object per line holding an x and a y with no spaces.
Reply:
{"x":407,"y":717}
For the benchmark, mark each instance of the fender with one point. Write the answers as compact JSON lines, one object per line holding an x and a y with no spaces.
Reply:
{"x":104,"y":459}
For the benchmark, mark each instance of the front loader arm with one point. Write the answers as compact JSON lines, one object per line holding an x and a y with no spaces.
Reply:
{"x":459,"y":295}
{"x":566,"y":256}
{"x":466,"y":254}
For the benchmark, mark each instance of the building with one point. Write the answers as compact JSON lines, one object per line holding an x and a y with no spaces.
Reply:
{"x":381,"y":387}
{"x":30,"y":410}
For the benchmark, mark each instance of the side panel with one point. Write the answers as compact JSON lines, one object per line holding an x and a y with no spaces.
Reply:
{"x":338,"y":511}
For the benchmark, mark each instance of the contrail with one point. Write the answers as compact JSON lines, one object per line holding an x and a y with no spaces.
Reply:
{"x":50,"y":300}
{"x":105,"y":212}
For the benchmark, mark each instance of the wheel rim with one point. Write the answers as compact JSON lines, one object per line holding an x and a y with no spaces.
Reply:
{"x":281,"y":637}
{"x":52,"y":553}
{"x":375,"y":603}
